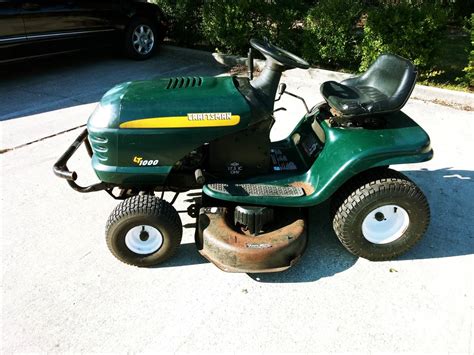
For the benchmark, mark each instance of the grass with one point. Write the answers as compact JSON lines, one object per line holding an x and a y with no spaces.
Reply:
{"x":451,"y":59}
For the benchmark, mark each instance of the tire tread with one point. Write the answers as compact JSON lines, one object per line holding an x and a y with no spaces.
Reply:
{"x":371,"y":184}
{"x":142,"y":205}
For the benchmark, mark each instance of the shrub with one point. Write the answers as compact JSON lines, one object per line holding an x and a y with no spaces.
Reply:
{"x":330,"y":32}
{"x":469,"y":77}
{"x":412,"y":31}
{"x":460,"y":8}
{"x":230,"y":25}
{"x":184,"y":17}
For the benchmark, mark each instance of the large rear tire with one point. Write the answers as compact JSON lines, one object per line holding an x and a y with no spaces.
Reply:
{"x":380,"y":214}
{"x":143,"y":231}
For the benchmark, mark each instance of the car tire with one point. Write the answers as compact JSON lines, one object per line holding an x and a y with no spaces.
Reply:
{"x":143,"y":231}
{"x":141,"y":38}
{"x":380,"y":214}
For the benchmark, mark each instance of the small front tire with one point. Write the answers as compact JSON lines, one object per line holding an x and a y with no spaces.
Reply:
{"x":143,"y":231}
{"x":380,"y":215}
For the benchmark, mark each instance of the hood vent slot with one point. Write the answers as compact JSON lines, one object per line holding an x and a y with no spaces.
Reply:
{"x":182,"y":83}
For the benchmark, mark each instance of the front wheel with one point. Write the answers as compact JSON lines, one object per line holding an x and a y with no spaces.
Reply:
{"x":143,"y":231}
{"x":380,"y":215}
{"x":141,"y":38}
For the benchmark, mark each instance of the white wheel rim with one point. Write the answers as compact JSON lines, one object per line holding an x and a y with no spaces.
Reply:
{"x":385,"y":224}
{"x":143,"y":39}
{"x":144,"y":239}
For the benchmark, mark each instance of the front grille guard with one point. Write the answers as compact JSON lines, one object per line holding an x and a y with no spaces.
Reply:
{"x":61,"y":170}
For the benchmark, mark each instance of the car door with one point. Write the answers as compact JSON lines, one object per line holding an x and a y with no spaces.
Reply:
{"x":100,"y":14}
{"x":51,"y":18}
{"x":56,"y":18}
{"x":55,"y":26}
{"x":12,"y":29}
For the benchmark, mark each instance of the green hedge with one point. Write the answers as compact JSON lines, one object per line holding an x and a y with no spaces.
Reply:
{"x":412,"y":31}
{"x":228,"y":25}
{"x":338,"y":33}
{"x":469,"y":78}
{"x":185,"y":20}
{"x":330,"y":34}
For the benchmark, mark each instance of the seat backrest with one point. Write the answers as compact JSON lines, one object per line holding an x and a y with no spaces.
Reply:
{"x":394,"y":76}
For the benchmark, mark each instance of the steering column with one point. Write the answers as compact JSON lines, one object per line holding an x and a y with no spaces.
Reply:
{"x":277,"y":61}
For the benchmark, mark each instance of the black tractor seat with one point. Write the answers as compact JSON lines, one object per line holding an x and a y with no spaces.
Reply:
{"x":384,"y":88}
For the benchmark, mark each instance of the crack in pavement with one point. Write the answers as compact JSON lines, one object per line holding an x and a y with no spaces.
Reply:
{"x":460,"y":107}
{"x":48,"y":105}
{"x":6,"y":150}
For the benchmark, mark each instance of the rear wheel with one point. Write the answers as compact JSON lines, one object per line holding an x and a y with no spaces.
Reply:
{"x":141,"y":38}
{"x":143,"y":231}
{"x":380,"y":215}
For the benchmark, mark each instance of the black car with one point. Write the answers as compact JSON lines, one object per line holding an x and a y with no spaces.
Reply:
{"x":43,"y":27}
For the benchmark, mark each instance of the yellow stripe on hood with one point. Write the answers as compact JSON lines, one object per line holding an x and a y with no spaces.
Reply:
{"x":180,"y":122}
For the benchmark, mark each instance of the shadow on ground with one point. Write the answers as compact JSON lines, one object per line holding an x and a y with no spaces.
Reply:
{"x":324,"y":256}
{"x":46,"y":84}
{"x":450,"y":194}
{"x":451,"y":232}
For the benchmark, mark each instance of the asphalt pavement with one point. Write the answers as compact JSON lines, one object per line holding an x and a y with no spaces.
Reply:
{"x":62,"y":291}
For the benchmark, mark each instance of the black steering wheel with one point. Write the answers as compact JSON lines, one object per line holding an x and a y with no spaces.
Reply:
{"x":279,"y":55}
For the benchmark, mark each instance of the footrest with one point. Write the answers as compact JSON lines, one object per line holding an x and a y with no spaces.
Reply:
{"x":257,"y":190}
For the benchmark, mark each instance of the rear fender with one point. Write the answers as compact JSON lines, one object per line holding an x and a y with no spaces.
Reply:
{"x":347,"y":152}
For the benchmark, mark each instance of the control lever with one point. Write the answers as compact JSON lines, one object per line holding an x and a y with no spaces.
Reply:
{"x":367,"y":108}
{"x":282,"y":90}
{"x":198,"y":175}
{"x":250,"y":64}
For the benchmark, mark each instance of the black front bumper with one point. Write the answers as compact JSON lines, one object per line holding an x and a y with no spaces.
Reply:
{"x":61,"y":170}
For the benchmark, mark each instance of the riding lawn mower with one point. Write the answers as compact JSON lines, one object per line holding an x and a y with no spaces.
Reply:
{"x":213,"y":133}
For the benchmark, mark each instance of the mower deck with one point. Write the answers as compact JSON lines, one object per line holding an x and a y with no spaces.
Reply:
{"x":234,"y":251}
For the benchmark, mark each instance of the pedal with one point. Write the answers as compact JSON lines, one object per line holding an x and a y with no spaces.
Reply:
{"x":257,"y":190}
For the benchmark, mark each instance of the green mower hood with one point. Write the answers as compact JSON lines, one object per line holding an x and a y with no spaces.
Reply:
{"x":160,"y":121}
{"x":171,"y":103}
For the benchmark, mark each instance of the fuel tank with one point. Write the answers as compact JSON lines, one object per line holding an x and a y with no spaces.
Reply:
{"x":141,"y":129}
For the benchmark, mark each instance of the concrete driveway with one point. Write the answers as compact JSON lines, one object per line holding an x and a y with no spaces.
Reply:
{"x":63,"y":291}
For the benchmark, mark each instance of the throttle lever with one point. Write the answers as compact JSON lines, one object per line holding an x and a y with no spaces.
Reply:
{"x":282,"y":90}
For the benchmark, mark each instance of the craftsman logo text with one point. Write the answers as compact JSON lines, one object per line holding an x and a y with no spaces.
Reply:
{"x":223,"y":116}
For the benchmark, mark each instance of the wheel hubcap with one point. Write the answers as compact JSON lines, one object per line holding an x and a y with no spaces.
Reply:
{"x":385,"y":224}
{"x":144,"y":239}
{"x":143,"y":39}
